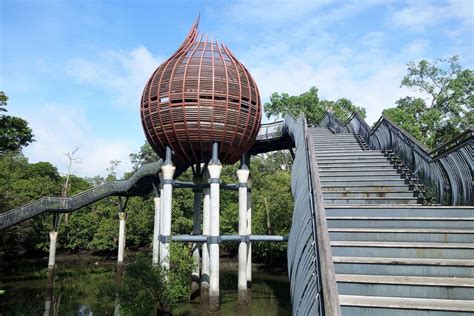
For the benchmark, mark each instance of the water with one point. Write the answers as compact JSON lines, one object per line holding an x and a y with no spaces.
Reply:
{"x":77,"y":290}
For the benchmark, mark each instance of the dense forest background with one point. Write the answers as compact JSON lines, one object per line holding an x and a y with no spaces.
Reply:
{"x":447,"y":110}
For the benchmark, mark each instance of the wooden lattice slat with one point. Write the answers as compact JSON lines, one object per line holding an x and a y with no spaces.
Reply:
{"x":200,"y":95}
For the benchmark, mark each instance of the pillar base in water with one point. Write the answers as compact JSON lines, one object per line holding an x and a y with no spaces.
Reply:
{"x":244,"y":308}
{"x":213,"y":302}
{"x":205,"y":294}
{"x":195,"y":288}
{"x":243,"y":296}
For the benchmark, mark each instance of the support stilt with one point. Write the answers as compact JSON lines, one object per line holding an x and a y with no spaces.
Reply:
{"x":214,"y":173}
{"x":206,"y":222}
{"x":121,"y":241}
{"x":196,"y":274}
{"x":249,"y":231}
{"x":168,"y":172}
{"x":243,"y":175}
{"x":156,"y":229}
{"x":160,"y":219}
{"x":53,"y":237}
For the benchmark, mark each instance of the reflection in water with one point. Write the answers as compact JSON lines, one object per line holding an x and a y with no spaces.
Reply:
{"x":74,"y":289}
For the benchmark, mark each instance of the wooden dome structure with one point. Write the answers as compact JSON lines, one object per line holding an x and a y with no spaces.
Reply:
{"x":200,"y":95}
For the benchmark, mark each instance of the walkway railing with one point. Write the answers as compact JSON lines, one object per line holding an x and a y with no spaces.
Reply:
{"x":58,"y":204}
{"x":310,"y":266}
{"x":447,"y":172}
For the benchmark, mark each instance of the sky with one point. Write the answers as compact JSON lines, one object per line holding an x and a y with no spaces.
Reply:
{"x":75,"y":70}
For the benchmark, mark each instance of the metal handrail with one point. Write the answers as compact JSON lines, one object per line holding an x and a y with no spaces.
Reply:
{"x":310,"y":265}
{"x":447,"y":172}
{"x":326,"y":263}
{"x":70,"y":204}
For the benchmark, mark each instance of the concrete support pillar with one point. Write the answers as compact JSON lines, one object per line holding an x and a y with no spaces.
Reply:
{"x":196,"y":274}
{"x":168,"y":172}
{"x":206,"y":223}
{"x":121,"y":241}
{"x":249,"y":232}
{"x":156,"y":230}
{"x":49,"y":293}
{"x":53,"y":238}
{"x":243,"y":175}
{"x":214,"y":174}
{"x":160,"y":218}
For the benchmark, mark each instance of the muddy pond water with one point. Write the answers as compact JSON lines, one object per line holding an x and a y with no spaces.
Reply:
{"x":77,"y":283}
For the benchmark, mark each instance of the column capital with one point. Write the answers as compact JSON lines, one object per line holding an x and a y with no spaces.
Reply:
{"x":122,"y":215}
{"x":214,"y":170}
{"x":243,"y":175}
{"x":168,"y":171}
{"x":53,"y":235}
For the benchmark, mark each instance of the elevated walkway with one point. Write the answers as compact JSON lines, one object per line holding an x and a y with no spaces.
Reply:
{"x":361,"y":241}
{"x":272,"y":136}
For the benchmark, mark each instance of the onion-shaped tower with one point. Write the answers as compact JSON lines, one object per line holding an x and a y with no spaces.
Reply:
{"x":200,"y":95}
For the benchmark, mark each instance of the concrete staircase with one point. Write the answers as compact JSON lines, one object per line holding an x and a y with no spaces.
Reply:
{"x":392,"y":255}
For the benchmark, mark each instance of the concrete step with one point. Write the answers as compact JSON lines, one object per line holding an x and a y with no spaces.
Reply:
{"x":343,"y":177}
{"x":335,"y":141}
{"x":352,"y":148}
{"x":355,"y":168}
{"x":337,"y":146}
{"x":370,"y":200}
{"x":353,"y":160}
{"x":356,"y":187}
{"x":364,"y":194}
{"x":362,"y":153}
{"x":360,"y":172}
{"x":337,"y":135}
{"x":343,"y":163}
{"x":361,"y":182}
{"x":405,"y":266}
{"x":388,"y":249}
{"x":434,"y":235}
{"x":403,"y":211}
{"x":375,"y":305}
{"x":405,"y":286}
{"x":401,"y":222}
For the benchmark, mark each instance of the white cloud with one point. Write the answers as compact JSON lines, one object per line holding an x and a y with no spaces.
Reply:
{"x":59,"y":128}
{"x":121,"y":74}
{"x":299,"y":53}
{"x":422,"y":15}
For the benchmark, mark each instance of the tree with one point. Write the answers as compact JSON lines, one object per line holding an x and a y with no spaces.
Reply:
{"x":449,"y":107}
{"x":310,"y":105}
{"x":14,"y":131}
{"x":71,"y":161}
{"x":145,"y":155}
{"x":148,"y":289}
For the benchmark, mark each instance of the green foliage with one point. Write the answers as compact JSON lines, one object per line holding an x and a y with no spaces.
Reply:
{"x":310,"y":105}
{"x":145,"y":155}
{"x":148,"y":289}
{"x":20,"y":183}
{"x":14,"y":131}
{"x":451,"y":101}
{"x":272,"y":204}
{"x":95,"y":227}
